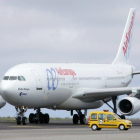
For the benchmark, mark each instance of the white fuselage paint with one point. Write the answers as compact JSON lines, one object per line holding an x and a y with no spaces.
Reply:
{"x":46,"y":87}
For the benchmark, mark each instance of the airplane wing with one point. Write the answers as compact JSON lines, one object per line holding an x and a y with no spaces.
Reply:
{"x":90,"y":95}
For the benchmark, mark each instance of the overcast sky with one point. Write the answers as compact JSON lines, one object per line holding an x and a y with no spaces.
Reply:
{"x":81,"y":31}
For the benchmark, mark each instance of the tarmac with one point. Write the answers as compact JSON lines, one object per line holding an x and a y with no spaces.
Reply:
{"x":64,"y":130}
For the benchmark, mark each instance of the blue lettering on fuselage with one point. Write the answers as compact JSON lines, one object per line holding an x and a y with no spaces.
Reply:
{"x":21,"y":93}
{"x":52,"y":79}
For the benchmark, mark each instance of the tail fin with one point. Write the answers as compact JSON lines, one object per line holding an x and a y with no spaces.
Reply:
{"x":125,"y":45}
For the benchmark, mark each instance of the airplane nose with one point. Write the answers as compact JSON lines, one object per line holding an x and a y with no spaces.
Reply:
{"x":6,"y":91}
{"x":2,"y":102}
{"x":0,"y":88}
{"x":9,"y":92}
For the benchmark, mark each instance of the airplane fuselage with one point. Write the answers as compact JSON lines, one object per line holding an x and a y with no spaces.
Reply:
{"x":52,"y":85}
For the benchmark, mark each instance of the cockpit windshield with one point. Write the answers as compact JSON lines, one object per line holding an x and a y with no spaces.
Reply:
{"x":6,"y":78}
{"x":19,"y":78}
{"x":13,"y":78}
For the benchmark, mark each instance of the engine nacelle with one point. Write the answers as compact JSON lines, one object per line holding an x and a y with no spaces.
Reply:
{"x":2,"y":102}
{"x":129,"y":106}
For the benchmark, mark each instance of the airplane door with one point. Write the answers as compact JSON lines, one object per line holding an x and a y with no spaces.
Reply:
{"x":38,"y":80}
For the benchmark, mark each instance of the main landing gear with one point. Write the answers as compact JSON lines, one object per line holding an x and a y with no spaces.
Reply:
{"x":114,"y":101}
{"x":20,"y":118}
{"x":39,"y":117}
{"x":79,"y":116}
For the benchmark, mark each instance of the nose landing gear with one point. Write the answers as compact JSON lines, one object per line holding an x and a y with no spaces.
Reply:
{"x":39,"y":117}
{"x":20,"y":118}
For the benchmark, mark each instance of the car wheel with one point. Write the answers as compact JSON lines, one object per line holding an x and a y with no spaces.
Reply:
{"x":121,"y":127}
{"x":94,"y":127}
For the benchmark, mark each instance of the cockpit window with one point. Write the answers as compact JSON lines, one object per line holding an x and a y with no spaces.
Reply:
{"x":21,"y":78}
{"x":13,"y":78}
{"x":6,"y":78}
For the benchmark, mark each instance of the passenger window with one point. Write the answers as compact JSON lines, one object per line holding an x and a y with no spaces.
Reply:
{"x":94,"y":116}
{"x":6,"y":78}
{"x":21,"y":78}
{"x":110,"y":117}
{"x":101,"y":116}
{"x":13,"y":78}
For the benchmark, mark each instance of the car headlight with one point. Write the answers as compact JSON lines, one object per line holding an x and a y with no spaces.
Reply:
{"x":127,"y":121}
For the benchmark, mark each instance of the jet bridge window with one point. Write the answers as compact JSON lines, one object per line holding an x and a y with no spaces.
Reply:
{"x":13,"y":78}
{"x":6,"y":78}
{"x":21,"y":78}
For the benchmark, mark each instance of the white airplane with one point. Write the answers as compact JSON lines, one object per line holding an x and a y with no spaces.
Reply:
{"x":2,"y":102}
{"x":73,"y":86}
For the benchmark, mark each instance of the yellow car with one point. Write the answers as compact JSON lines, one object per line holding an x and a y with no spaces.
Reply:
{"x":105,"y":119}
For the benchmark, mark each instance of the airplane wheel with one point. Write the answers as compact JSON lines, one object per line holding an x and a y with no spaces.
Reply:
{"x":31,"y":118}
{"x":24,"y":120}
{"x":41,"y":118}
{"x":82,"y":119}
{"x":36,"y":118}
{"x":75,"y":119}
{"x":18,"y":120}
{"x":46,"y":118}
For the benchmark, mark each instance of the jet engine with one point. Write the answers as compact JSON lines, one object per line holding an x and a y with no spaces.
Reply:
{"x":129,"y":106}
{"x":2,"y":102}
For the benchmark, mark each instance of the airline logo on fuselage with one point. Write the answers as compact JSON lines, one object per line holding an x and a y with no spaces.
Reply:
{"x":52,"y":76}
{"x":52,"y":79}
{"x":126,"y":46}
{"x":61,"y":71}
